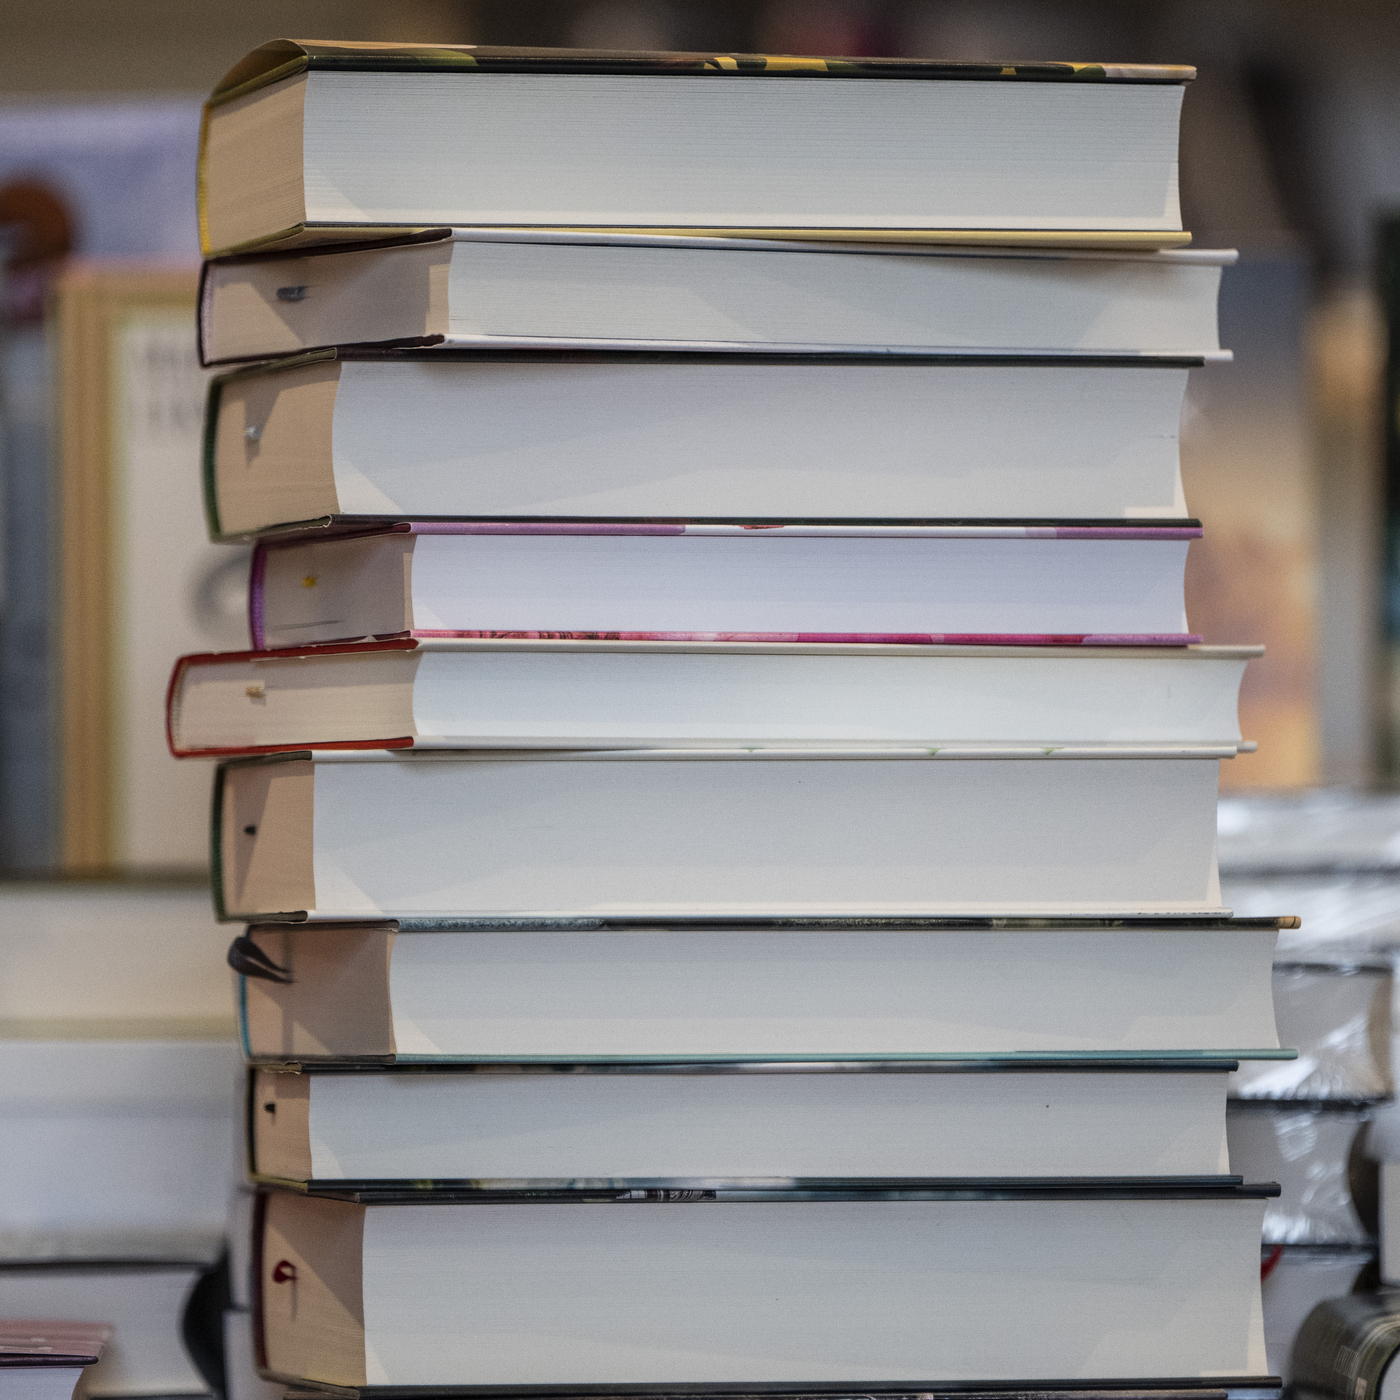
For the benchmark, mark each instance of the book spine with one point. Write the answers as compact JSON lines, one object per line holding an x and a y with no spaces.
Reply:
{"x":243,"y":1037}
{"x":203,"y":309}
{"x":172,"y":702}
{"x":175,"y":692}
{"x":201,"y":184}
{"x":216,"y":847}
{"x":208,"y":477}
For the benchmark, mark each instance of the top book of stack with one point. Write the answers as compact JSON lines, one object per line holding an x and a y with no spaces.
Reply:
{"x":313,"y":142}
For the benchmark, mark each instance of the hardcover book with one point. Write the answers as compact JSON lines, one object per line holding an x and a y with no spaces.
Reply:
{"x":357,"y":437}
{"x":500,"y":289}
{"x":677,"y":1126}
{"x":426,"y":693}
{"x":713,"y":833}
{"x":311,"y":140}
{"x":593,"y":990}
{"x":822,"y":1290}
{"x":1007,"y":585}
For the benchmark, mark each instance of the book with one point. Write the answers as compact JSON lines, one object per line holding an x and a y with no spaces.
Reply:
{"x":660,"y":1125}
{"x":1034,"y":991}
{"x":712,"y":834}
{"x":412,"y":693}
{"x":315,"y":140}
{"x":94,"y":960}
{"x":1013,"y":585}
{"x":490,"y":288}
{"x":45,"y":1360}
{"x":355,"y":437}
{"x":144,"y":1305}
{"x":114,"y":1149}
{"x":135,"y":584}
{"x":804,"y":1292}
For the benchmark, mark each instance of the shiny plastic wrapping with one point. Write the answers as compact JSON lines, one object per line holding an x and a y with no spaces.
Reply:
{"x":1317,"y":1155}
{"x":1338,"y":1018}
{"x":1332,"y":858}
{"x":1326,"y":829}
{"x":1347,"y":916}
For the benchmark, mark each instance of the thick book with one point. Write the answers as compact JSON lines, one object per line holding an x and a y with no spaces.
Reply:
{"x":713,"y":833}
{"x":827,"y":1291}
{"x":356,"y":437}
{"x":313,"y":140}
{"x":670,"y":1126}
{"x":592,"y":990}
{"x":175,"y":991}
{"x":486,"y":288}
{"x":112,"y":1148}
{"x":411,"y":693}
{"x":45,"y":1360}
{"x":1008,"y":585}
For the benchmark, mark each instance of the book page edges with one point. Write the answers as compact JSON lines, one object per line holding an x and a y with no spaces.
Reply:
{"x":287,"y":1021}
{"x":310,"y":1289}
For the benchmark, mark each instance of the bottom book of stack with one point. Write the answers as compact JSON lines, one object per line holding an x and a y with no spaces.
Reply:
{"x":914,"y":1288}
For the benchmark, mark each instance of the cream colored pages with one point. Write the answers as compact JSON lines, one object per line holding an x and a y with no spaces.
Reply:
{"x":92,"y":960}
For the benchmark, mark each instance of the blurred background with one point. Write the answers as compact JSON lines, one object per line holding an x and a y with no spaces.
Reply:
{"x":1290,"y":152}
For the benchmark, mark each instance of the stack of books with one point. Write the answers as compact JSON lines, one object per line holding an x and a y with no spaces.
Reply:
{"x":723,"y":799}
